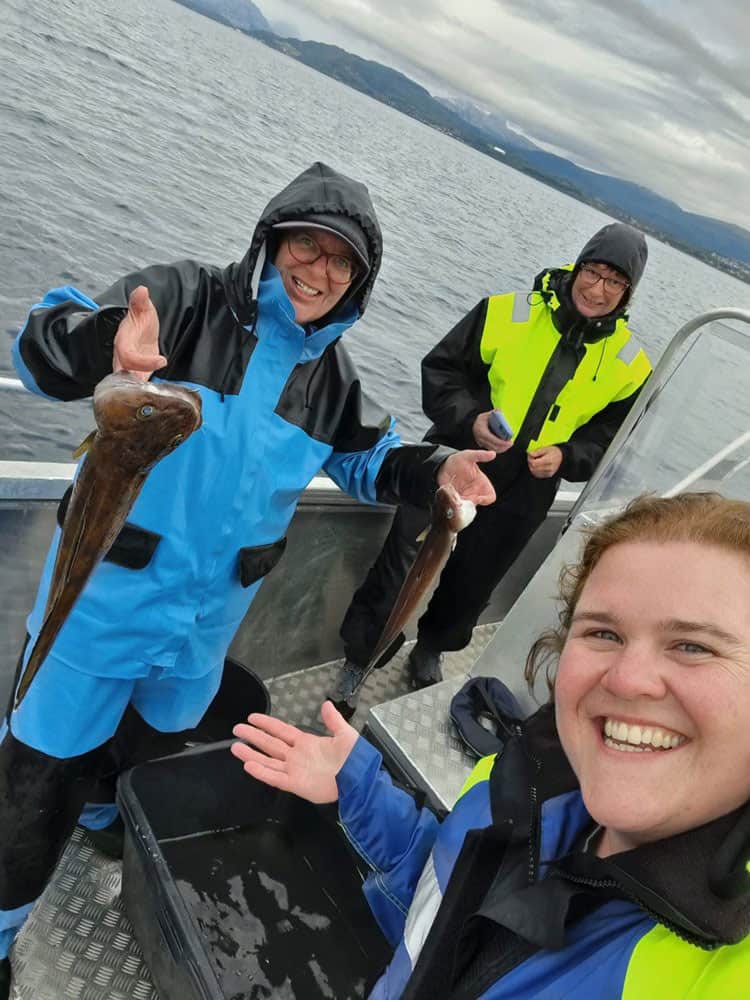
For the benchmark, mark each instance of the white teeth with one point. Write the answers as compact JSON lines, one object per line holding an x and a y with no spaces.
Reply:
{"x":634,"y":735}
{"x":622,"y":736}
{"x":306,"y":288}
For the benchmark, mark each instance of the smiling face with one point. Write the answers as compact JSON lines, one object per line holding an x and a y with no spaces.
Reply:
{"x":653,"y":689}
{"x":592,"y":297}
{"x":310,"y":289}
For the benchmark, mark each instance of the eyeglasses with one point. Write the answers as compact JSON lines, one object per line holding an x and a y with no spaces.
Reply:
{"x":339,"y":268}
{"x":590,"y":276}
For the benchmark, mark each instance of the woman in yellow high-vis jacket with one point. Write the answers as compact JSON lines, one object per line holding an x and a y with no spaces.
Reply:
{"x":561,"y":364}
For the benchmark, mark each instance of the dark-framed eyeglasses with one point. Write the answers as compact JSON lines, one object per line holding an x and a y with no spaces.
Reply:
{"x":590,"y":276}
{"x":305,"y":250}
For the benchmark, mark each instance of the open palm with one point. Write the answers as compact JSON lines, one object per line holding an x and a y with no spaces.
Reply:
{"x":285,"y":757}
{"x":461,"y":469}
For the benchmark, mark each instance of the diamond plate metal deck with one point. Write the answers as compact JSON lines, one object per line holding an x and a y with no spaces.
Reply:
{"x":297,"y":697}
{"x":415,"y":730}
{"x":78,"y":943}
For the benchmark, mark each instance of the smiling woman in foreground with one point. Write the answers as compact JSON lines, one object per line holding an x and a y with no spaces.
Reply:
{"x":606,"y":852}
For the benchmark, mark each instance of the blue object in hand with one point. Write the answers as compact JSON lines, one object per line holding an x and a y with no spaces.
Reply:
{"x":499,"y":425}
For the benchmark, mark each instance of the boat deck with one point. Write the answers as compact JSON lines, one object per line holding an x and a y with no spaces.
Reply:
{"x":78,"y":943}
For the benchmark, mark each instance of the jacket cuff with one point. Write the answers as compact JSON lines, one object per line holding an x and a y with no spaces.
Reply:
{"x":358,"y":770}
{"x":409,"y":474}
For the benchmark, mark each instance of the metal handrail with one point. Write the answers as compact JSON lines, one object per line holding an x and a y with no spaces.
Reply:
{"x":649,"y":393}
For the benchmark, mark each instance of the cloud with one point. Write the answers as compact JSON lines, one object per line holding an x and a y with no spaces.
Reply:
{"x":656,"y":91}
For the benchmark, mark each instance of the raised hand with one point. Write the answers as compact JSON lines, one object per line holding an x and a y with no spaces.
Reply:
{"x":284,"y":757}
{"x":462,"y":471}
{"x":136,"y":346}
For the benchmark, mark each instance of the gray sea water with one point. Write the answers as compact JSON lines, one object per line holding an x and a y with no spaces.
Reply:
{"x":141,"y":132}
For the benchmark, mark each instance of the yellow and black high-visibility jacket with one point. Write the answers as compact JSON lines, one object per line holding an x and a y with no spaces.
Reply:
{"x":559,"y":379}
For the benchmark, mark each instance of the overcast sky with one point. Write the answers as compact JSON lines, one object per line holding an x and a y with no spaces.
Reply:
{"x":655,"y":91}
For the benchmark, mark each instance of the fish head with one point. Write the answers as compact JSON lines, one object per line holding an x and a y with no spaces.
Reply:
{"x":451,"y":509}
{"x":145,"y":421}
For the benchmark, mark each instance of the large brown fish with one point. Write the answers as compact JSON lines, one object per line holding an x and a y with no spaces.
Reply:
{"x":450,"y":514}
{"x":138,"y":423}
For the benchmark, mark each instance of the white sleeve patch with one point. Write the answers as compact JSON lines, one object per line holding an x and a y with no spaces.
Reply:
{"x":424,"y":906}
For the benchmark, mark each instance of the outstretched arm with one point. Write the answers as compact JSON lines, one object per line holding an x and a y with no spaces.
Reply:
{"x":381,"y":822}
{"x":67,"y":344}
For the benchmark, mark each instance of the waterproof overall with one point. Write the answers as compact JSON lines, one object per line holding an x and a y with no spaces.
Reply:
{"x":142,"y":652}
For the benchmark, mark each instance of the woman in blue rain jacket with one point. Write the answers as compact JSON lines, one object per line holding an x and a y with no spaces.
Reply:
{"x":260,"y":340}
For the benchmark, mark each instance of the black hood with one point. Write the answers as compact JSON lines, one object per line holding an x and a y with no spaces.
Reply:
{"x":317,"y":191}
{"x":620,"y":246}
{"x":569,"y":323}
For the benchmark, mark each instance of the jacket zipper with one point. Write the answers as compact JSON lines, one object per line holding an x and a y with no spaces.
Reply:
{"x":668,"y":924}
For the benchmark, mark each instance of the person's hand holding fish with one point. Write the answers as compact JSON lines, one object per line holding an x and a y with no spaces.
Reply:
{"x":461,"y":470}
{"x":136,"y":347}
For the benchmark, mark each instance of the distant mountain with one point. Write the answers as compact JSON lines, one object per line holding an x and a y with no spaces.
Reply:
{"x":375,"y":80}
{"x":286,"y":29}
{"x":717,"y":243}
{"x":242,"y":14}
{"x":660,"y":214}
{"x":486,"y":121}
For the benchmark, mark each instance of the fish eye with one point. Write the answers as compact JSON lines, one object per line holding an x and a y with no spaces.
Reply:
{"x":145,"y":411}
{"x":450,"y":512}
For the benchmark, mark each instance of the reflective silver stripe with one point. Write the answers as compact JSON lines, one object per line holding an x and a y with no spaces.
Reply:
{"x":424,"y":906}
{"x":521,"y":308}
{"x":628,"y":351}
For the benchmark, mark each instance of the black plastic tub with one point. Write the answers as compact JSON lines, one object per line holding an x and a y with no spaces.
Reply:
{"x":240,"y":892}
{"x":240,"y":693}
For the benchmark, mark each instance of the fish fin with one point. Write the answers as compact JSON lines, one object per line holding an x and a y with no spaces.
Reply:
{"x":84,"y":446}
{"x":423,"y":534}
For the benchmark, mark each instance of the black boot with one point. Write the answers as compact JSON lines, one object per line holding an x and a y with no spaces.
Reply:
{"x":4,"y":978}
{"x":345,"y":692}
{"x":424,"y":666}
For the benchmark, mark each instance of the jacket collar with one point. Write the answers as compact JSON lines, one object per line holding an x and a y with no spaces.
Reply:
{"x":274,"y":303}
{"x":695,"y":883}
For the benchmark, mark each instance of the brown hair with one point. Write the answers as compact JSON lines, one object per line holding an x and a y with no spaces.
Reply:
{"x":706,"y":518}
